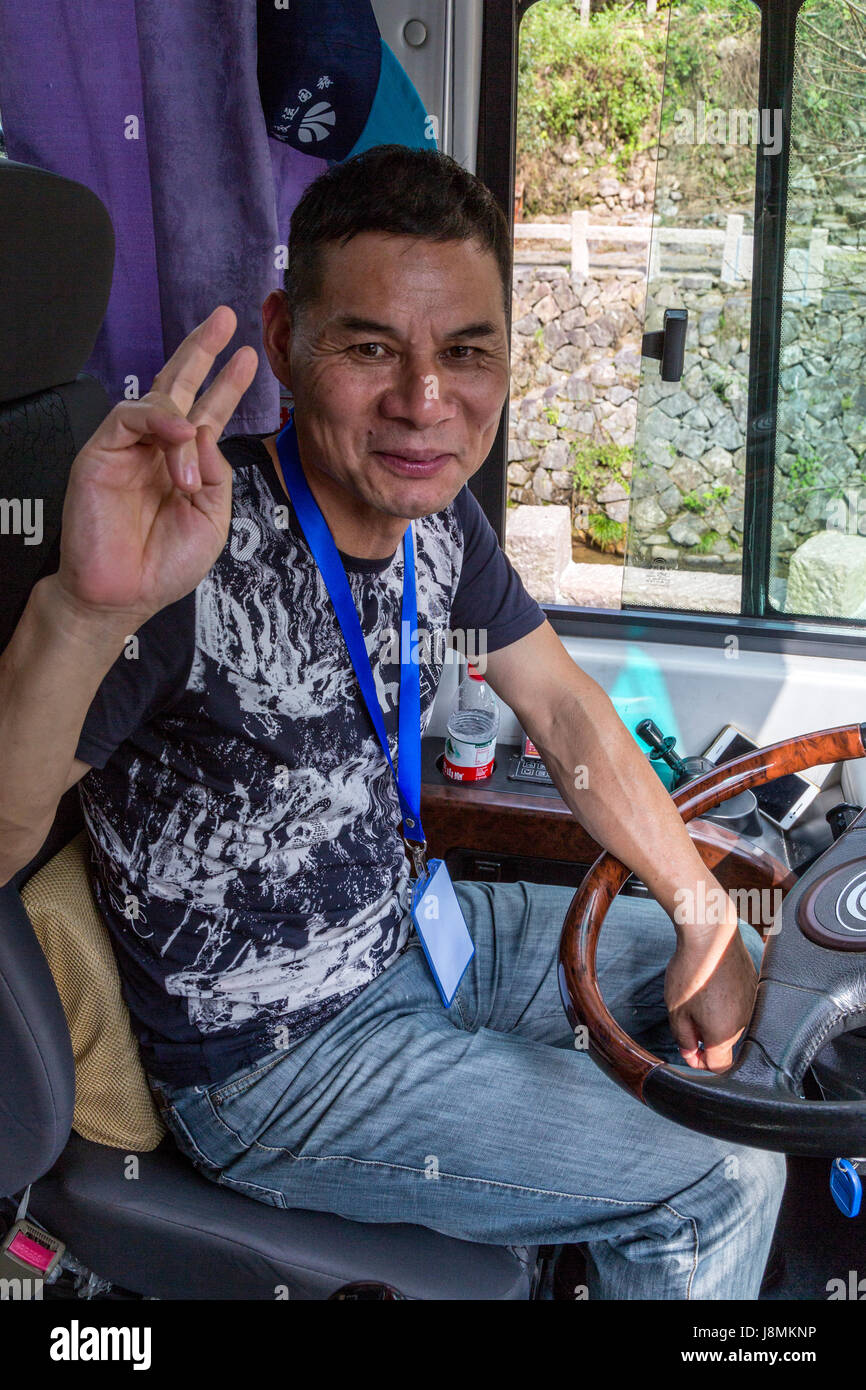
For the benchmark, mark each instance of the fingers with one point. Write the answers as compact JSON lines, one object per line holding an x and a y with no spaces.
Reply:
{"x":219,"y":402}
{"x":188,"y":466}
{"x":188,"y":366}
{"x":131,"y":421}
{"x":719,"y":1056}
{"x":697,"y":1052}
{"x":212,"y":465}
{"x":689,"y":1042}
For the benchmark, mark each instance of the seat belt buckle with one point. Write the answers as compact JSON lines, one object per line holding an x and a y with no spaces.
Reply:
{"x":28,"y":1250}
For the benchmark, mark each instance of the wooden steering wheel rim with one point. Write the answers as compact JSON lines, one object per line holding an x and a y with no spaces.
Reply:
{"x":626,"y":1060}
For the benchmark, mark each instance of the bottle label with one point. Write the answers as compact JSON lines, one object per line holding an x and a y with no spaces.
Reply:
{"x":468,"y":762}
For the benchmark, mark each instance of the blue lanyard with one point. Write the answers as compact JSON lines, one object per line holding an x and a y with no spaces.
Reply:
{"x":327,"y":557}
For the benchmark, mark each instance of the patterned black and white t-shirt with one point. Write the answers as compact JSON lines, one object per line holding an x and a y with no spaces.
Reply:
{"x":243,"y":819}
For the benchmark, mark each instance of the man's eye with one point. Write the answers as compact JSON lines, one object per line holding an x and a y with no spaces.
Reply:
{"x":371,"y":351}
{"x":462,"y":352}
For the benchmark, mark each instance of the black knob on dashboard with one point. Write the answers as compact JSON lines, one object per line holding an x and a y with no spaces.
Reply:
{"x":840,"y":818}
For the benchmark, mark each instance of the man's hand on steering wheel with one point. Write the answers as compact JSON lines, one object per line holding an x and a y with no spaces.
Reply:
{"x":710,"y":988}
{"x":812,"y":984}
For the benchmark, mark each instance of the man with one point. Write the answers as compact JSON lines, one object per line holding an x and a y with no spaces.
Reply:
{"x":244,"y":819}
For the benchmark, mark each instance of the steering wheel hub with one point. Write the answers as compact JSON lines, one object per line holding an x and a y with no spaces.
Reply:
{"x":833,"y":911}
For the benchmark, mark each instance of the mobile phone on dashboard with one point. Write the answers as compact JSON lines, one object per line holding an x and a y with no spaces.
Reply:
{"x":782,"y":801}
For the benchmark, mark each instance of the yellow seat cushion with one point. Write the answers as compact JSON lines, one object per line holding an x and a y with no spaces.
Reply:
{"x":113,"y":1103}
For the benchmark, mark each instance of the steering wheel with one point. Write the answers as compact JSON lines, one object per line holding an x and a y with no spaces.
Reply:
{"x":812,"y":983}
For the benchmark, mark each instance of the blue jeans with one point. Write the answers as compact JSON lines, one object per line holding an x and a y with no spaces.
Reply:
{"x":482,"y":1121}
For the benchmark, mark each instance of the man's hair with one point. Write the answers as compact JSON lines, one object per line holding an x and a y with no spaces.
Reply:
{"x":397,"y":190}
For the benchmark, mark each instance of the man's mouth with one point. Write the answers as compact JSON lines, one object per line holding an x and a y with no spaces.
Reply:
{"x":413,"y":463}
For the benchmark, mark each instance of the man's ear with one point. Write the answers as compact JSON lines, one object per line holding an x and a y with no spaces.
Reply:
{"x":277,"y":336}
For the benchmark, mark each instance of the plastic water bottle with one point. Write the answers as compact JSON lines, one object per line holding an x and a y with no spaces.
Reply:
{"x":472,"y":728}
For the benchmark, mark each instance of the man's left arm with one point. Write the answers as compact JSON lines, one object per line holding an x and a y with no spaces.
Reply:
{"x":616,"y":795}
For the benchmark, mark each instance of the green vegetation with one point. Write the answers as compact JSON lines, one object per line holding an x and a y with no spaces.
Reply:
{"x":693,"y":502}
{"x":805,"y":473}
{"x":604,"y":531}
{"x":605,"y":82}
{"x":593,"y":465}
{"x":707,"y":541}
{"x":551,"y":415}
{"x":692,"y":67}
{"x":602,"y":78}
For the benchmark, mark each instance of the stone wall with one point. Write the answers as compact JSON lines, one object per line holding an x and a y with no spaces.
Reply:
{"x":821,"y":420}
{"x":688,"y":489}
{"x":575,"y":368}
{"x":575,"y":375}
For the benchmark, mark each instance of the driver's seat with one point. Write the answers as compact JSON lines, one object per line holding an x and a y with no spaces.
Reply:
{"x":155,"y":1227}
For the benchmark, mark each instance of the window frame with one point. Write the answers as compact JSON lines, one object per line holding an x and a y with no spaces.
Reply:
{"x":757,"y":626}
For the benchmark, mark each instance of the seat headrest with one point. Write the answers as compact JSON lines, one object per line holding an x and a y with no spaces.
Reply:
{"x":55,"y":277}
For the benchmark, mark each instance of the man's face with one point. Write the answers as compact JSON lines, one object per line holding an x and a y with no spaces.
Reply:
{"x":399,"y":369}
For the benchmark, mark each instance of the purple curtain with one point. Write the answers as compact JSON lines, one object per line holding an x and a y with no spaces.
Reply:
{"x":154,"y":104}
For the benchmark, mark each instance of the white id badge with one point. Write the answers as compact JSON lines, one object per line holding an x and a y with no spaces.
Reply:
{"x":441,"y":928}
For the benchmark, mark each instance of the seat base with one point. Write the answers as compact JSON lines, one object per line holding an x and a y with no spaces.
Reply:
{"x":170,"y":1233}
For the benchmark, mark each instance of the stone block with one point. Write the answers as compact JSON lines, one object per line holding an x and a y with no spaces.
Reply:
{"x":676,"y":404}
{"x":591,"y":586}
{"x":688,"y":475}
{"x":565,"y":298}
{"x":827,"y":575}
{"x":577,"y":388}
{"x":542,"y":485}
{"x":555,"y":455}
{"x":612,"y":492}
{"x":618,"y":394}
{"x":538,"y":543}
{"x":574,"y":318}
{"x":603,"y":374}
{"x":546,"y":309}
{"x":617,"y":511}
{"x":567,"y":358}
{"x":647,"y":515}
{"x":687,"y":530}
{"x":717,"y":460}
{"x":519,"y":451}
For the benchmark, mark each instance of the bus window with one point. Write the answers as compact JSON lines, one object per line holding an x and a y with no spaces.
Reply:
{"x":818,"y":537}
{"x":686,"y":514}
{"x":739,"y":488}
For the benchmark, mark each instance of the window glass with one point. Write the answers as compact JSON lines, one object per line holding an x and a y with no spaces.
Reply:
{"x":623,"y":488}
{"x":587,"y":129}
{"x":818,"y":540}
{"x":685,"y":530}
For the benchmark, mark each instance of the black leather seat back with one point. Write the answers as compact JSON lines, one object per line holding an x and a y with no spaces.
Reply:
{"x":55,"y":276}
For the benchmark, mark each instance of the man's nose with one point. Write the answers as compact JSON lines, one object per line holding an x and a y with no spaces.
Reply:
{"x":417,"y":393}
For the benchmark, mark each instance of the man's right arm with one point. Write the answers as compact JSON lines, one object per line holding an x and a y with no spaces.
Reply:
{"x":49,"y":674}
{"x":146,"y":513}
